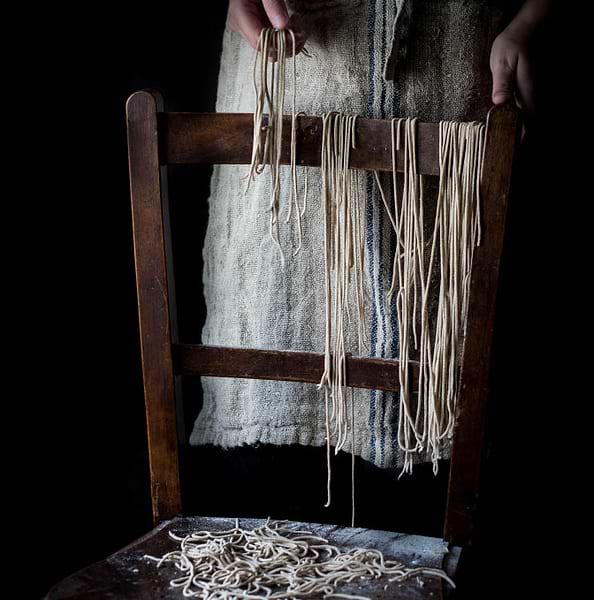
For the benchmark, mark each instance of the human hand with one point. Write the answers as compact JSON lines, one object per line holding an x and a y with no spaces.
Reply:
{"x":249,"y":17}
{"x":510,"y":60}
{"x":512,"y":70}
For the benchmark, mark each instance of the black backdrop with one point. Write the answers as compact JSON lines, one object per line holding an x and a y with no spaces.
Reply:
{"x":90,"y":472}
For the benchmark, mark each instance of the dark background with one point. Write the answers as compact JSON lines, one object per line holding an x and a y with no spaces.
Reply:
{"x":90,"y":472}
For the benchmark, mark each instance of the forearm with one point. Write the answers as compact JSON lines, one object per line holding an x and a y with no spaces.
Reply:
{"x":532,"y":14}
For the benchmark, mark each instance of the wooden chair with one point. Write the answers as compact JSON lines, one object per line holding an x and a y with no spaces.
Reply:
{"x":157,"y":139}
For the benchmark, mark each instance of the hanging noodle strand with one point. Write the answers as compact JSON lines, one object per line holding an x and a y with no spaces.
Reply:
{"x":344,"y":260}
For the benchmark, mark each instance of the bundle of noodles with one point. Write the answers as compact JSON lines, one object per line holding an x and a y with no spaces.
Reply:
{"x":427,"y":414}
{"x":344,"y":258}
{"x":270,"y":87}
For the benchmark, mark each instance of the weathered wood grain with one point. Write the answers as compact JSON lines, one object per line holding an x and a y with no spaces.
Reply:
{"x":223,"y":138}
{"x":147,"y":194}
{"x":251,"y":363}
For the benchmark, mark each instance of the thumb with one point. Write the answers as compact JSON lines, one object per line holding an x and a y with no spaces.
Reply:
{"x":277,"y":13}
{"x":503,"y":82}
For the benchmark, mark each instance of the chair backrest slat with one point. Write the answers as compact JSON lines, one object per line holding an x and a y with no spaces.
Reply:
{"x":277,"y":365}
{"x":223,"y":138}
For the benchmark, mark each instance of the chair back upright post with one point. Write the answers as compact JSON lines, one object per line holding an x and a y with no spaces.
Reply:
{"x":157,"y":139}
{"x":156,"y":299}
{"x":502,"y":138}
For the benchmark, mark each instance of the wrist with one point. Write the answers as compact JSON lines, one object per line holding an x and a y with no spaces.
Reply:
{"x":518,"y":32}
{"x":528,"y":20}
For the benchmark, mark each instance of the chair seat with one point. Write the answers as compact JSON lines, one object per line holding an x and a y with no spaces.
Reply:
{"x":126,"y":574}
